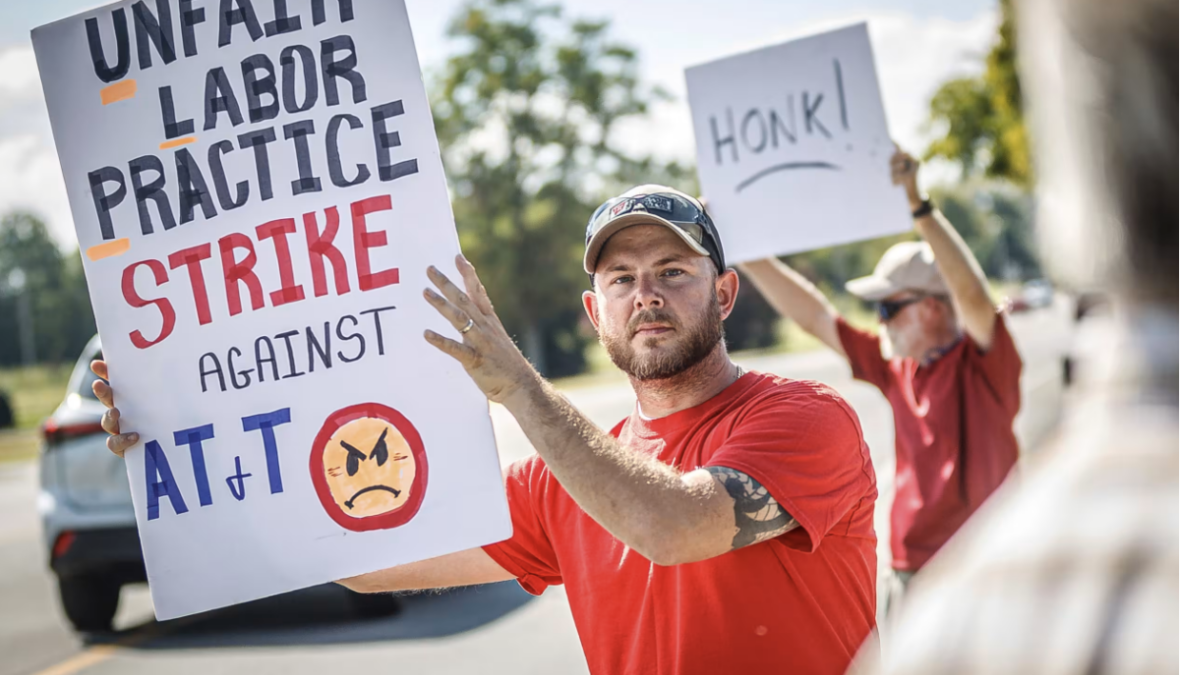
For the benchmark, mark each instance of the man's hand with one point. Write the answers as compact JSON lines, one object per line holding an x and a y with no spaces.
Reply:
{"x":486,"y":352}
{"x":904,"y":172}
{"x":111,"y":421}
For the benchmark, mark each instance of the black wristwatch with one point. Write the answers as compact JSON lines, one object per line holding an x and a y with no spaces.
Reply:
{"x":923,"y":210}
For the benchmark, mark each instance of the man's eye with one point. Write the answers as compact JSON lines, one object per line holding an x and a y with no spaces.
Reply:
{"x":622,"y":279}
{"x":672,"y":273}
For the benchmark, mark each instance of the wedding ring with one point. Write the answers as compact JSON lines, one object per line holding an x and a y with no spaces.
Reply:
{"x":469,"y":326}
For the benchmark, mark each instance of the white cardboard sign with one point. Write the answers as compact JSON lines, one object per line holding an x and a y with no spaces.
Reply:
{"x":257,"y":191}
{"x":792,"y":146}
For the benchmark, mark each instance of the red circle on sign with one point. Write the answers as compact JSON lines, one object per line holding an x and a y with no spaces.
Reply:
{"x":318,"y":469}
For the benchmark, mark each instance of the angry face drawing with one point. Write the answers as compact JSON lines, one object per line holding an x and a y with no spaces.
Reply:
{"x":368,"y":467}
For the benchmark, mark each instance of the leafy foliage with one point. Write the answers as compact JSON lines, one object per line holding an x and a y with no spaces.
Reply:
{"x":984,"y":131}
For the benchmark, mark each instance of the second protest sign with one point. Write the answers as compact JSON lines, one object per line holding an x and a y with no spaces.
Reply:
{"x":792,"y":146}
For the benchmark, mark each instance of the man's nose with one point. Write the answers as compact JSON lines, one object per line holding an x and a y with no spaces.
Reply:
{"x":649,"y":294}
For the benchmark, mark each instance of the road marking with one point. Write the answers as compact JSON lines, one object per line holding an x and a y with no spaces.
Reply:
{"x":100,"y":653}
{"x":85,"y":659}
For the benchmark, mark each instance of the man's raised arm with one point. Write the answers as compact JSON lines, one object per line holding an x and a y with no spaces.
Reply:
{"x":667,"y":516}
{"x":963,"y":275}
{"x":796,"y":298}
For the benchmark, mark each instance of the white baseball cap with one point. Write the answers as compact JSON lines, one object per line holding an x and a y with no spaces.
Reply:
{"x":907,"y":266}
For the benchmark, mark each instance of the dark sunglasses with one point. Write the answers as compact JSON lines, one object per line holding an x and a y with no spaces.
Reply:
{"x":888,"y":309}
{"x":680,"y":211}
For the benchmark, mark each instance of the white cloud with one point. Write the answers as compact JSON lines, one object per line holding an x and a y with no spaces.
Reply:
{"x":30,"y":178}
{"x":18,"y":75}
{"x":914,"y":57}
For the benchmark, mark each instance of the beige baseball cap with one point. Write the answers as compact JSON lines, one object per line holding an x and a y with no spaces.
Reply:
{"x":907,"y":266}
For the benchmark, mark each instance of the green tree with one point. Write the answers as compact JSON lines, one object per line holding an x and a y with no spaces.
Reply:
{"x":52,"y":285}
{"x":996,"y":221}
{"x":525,"y":111}
{"x":979,"y":118}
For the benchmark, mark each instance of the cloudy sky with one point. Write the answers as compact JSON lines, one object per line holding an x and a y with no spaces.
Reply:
{"x":917,"y":43}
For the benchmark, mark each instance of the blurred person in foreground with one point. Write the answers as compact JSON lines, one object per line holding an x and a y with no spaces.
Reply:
{"x":725,"y":526}
{"x":1075,"y":569}
{"x":953,"y":377}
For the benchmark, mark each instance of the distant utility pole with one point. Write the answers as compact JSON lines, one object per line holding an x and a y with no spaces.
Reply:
{"x":16,"y":281}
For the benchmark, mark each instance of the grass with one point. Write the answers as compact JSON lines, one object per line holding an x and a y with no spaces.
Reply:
{"x":33,"y":392}
{"x":18,"y":445}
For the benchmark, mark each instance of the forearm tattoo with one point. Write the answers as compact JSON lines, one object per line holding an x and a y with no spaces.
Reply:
{"x":757,"y":515}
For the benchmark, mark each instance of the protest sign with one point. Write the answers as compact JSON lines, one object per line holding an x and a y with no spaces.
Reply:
{"x":792,"y":146}
{"x":257,"y":191}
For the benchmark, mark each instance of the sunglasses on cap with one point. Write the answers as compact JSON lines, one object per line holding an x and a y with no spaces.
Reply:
{"x":681,"y":211}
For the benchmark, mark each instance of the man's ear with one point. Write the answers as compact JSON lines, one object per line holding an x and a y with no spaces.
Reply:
{"x":591,"y":304}
{"x":727,"y":286}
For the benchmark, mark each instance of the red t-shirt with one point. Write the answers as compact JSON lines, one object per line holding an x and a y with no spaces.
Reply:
{"x":801,"y":602}
{"x":954,"y":433}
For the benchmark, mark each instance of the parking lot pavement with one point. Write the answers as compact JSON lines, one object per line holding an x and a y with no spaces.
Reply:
{"x":496,"y":629}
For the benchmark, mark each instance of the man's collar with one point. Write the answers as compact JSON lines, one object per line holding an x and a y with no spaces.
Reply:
{"x":935,"y":353}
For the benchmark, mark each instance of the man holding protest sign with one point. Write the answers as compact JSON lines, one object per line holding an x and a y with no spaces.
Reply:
{"x":725,"y":525}
{"x":952,"y":379}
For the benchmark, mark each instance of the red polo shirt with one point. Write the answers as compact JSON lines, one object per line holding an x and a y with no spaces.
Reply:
{"x":802,"y":602}
{"x":954,"y":433}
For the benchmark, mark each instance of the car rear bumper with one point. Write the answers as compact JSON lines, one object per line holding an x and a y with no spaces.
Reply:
{"x":115,"y":553}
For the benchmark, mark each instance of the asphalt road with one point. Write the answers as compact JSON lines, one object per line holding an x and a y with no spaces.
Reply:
{"x":498,"y":628}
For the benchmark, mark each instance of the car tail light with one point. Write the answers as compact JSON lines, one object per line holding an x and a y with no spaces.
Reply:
{"x":54,"y":432}
{"x":62,"y":544}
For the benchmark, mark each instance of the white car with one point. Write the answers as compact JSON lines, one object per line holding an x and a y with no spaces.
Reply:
{"x":1038,"y":293}
{"x":88,"y":522}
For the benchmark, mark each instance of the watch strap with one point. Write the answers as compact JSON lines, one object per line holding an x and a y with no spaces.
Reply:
{"x":923,"y":210}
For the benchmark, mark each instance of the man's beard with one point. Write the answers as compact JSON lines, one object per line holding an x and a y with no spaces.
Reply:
{"x":899,"y":344}
{"x":693,"y":348}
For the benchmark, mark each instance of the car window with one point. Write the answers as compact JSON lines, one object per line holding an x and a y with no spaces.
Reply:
{"x":85,"y":382}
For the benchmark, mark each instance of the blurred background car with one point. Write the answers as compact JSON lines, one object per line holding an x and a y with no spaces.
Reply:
{"x":1038,"y":293}
{"x":88,"y":524}
{"x":1034,"y":294}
